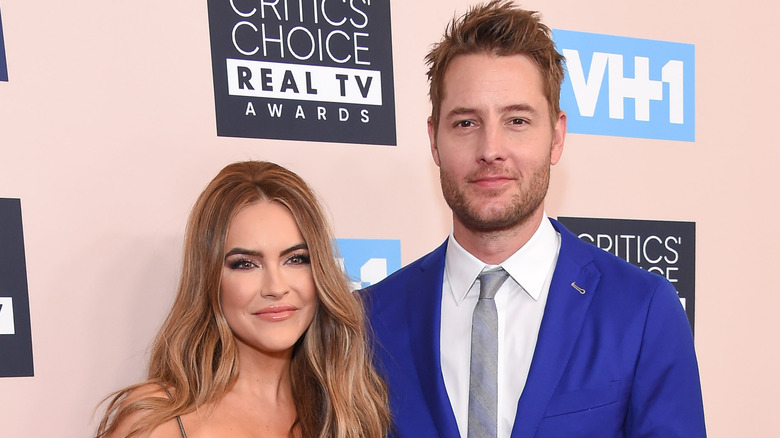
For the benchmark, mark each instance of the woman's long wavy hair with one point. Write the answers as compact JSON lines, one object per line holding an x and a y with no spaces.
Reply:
{"x":336,"y":390}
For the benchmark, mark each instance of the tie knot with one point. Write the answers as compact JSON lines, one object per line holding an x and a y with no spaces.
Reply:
{"x":490,"y":281}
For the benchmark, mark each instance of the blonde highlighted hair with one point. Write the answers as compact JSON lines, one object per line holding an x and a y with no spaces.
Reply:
{"x":336,"y":390}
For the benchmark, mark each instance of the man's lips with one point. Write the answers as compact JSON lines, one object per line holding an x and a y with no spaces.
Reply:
{"x":491,"y":181}
{"x":276,"y":312}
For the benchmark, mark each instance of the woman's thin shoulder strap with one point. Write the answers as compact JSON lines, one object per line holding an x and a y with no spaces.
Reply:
{"x":178,"y":418}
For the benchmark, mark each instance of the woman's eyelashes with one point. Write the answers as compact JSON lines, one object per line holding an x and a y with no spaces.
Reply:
{"x":241,"y":263}
{"x":300,"y":258}
{"x":245,"y":263}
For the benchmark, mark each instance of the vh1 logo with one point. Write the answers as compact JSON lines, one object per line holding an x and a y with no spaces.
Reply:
{"x":628,"y":87}
{"x":368,"y":261}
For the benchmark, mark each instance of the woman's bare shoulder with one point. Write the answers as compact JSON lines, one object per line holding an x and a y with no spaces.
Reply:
{"x":147,"y":390}
{"x":169,"y":429}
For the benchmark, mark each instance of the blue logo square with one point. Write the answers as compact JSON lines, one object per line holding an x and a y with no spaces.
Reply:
{"x":367,"y":261}
{"x":628,"y":87}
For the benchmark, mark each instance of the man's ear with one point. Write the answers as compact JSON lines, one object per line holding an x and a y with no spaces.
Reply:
{"x":432,"y":140}
{"x":559,"y":135}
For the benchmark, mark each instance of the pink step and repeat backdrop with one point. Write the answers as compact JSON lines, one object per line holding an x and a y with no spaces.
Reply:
{"x":114,"y":116}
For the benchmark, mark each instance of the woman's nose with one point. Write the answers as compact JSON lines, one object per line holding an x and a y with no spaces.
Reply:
{"x":273,"y":284}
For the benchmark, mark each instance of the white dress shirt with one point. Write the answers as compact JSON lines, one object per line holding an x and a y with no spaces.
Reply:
{"x":520,"y":303}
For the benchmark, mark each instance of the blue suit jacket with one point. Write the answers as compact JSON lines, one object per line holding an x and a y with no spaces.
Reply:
{"x":614,"y":361}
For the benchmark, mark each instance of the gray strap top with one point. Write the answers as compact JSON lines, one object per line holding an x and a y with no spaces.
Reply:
{"x":178,"y":418}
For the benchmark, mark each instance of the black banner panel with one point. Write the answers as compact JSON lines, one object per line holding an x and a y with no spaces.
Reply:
{"x":3,"y":65}
{"x":667,"y":248}
{"x":16,"y":354}
{"x":311,"y":70}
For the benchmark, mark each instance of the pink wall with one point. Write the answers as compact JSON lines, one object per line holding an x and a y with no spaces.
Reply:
{"x":107,"y":135}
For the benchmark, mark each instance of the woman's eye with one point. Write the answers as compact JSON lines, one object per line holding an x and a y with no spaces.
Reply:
{"x":299,"y":259}
{"x":242,"y":264}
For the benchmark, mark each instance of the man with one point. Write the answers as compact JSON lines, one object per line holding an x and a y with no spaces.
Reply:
{"x":575,"y":342}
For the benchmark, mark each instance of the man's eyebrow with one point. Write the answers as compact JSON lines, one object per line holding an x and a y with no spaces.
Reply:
{"x":520,"y":107}
{"x":517,"y":107}
{"x":460,"y":111}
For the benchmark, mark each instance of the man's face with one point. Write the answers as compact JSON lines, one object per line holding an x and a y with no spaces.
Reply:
{"x":495,"y":141}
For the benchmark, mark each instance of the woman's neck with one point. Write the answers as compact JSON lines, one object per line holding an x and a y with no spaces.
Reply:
{"x":266,"y":377}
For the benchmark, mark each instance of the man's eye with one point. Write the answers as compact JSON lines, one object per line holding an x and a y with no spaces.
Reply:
{"x":518,"y":121}
{"x":464,"y":124}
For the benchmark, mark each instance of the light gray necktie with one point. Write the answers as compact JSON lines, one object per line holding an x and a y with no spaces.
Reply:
{"x":483,"y":383}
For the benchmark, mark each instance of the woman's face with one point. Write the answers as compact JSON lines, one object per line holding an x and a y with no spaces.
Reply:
{"x":267,"y":290}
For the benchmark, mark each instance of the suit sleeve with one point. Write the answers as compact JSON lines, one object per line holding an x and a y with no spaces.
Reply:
{"x":666,"y":399}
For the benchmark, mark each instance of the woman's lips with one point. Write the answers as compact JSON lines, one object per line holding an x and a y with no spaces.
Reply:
{"x":277,"y":312}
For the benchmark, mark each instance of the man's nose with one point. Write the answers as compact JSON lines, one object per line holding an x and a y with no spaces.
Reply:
{"x":492,"y":143}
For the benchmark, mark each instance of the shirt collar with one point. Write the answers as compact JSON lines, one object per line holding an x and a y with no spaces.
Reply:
{"x":528,"y":266}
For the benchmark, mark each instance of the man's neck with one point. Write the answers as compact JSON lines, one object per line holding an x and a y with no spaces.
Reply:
{"x":493,"y":247}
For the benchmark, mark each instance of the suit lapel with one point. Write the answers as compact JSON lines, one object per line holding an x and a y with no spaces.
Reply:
{"x":563,"y":317}
{"x":424,"y":313}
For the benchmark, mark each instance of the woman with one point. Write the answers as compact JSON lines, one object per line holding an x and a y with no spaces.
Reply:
{"x":264,"y":338}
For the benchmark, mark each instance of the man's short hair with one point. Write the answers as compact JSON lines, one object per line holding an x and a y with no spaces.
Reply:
{"x":499,"y":28}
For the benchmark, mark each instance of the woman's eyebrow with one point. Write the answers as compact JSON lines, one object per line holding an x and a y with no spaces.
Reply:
{"x":294,"y":248}
{"x":243,"y":251}
{"x":253,"y":253}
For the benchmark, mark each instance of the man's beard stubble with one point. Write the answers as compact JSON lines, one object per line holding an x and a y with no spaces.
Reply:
{"x":521,"y":206}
